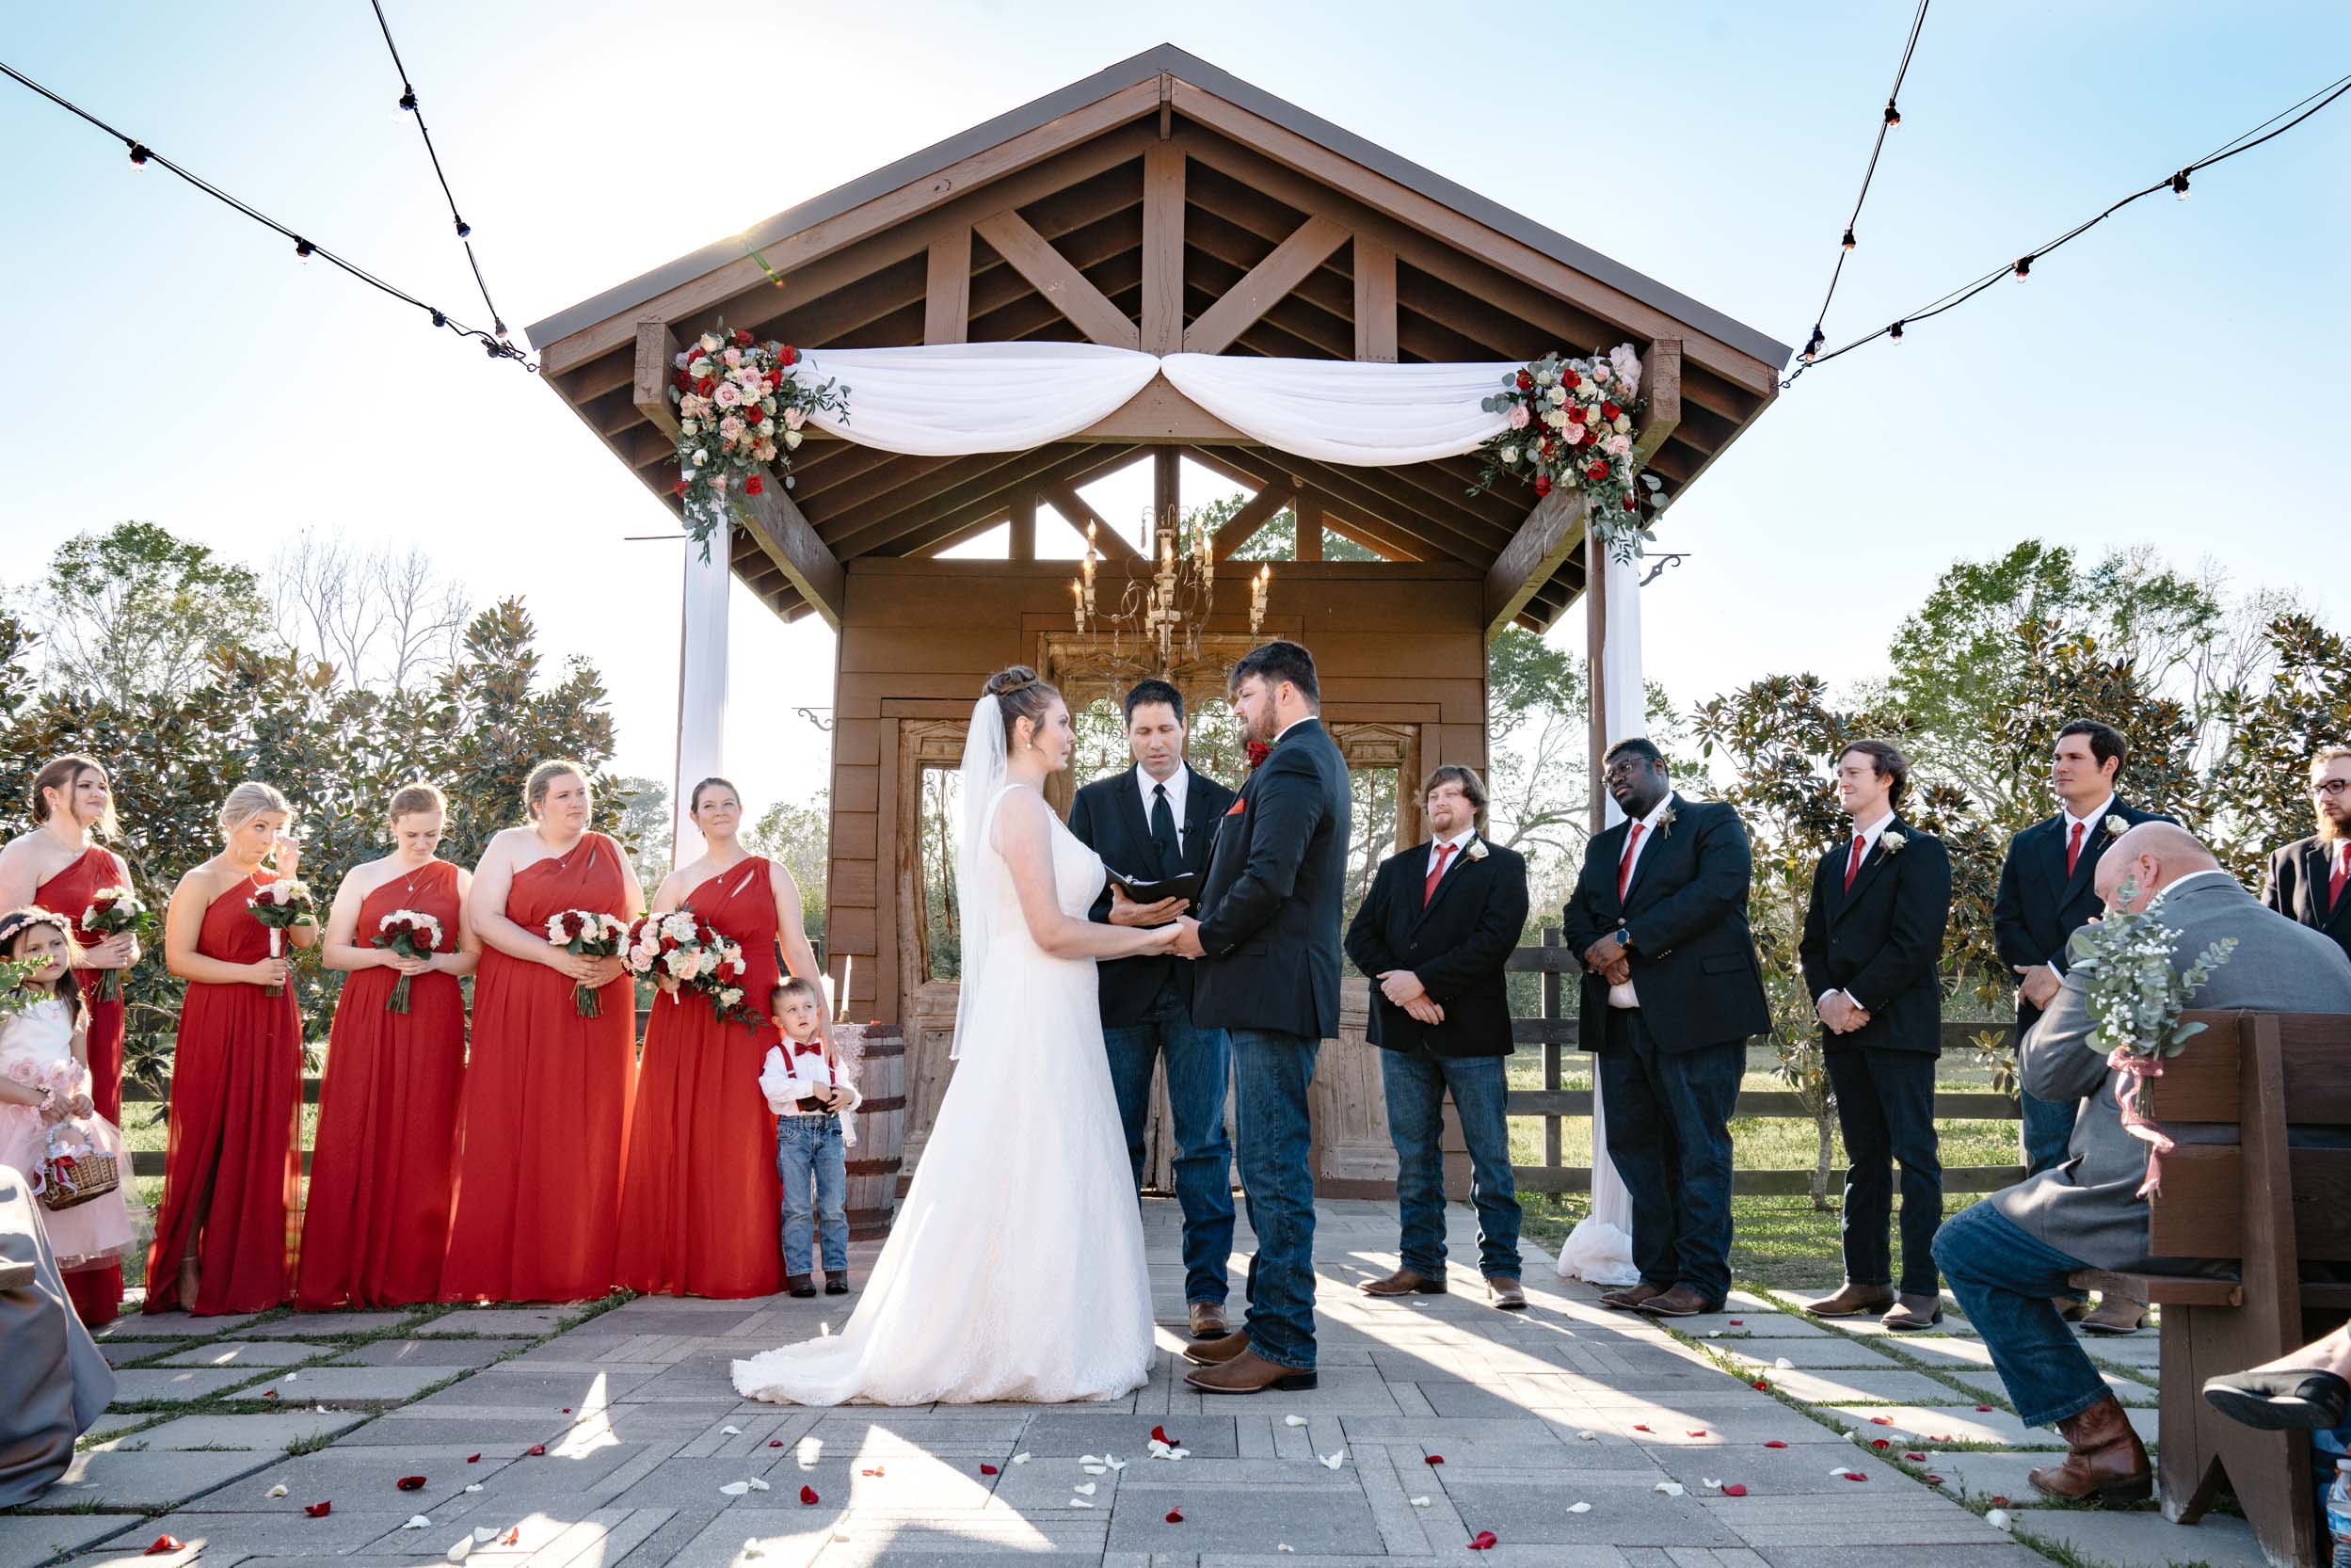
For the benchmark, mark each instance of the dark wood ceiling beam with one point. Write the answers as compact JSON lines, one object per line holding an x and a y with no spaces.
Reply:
{"x":1377,"y":537}
{"x":1162,"y":327}
{"x":1053,"y":277}
{"x":1259,"y":466}
{"x":847,"y":524}
{"x":913,"y":531}
{"x":1306,"y":248}
{"x":1079,"y":513}
{"x":1553,"y":532}
{"x":879,"y":530}
{"x":1259,"y":510}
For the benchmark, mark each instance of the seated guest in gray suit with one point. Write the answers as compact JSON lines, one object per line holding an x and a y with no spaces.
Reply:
{"x":2008,"y":1254}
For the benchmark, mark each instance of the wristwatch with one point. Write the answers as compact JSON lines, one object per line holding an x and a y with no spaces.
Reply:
{"x":1624,"y":936}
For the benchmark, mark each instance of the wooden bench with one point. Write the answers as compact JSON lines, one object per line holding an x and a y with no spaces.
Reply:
{"x":2272,"y":1209}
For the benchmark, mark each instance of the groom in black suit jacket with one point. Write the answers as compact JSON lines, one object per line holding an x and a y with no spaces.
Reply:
{"x":2310,"y":879}
{"x":2047,"y":894}
{"x":1154,"y":820}
{"x":1872,"y":954}
{"x":1672,"y":990}
{"x":1267,"y":942}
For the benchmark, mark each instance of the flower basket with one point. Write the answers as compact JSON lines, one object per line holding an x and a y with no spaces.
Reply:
{"x":72,"y":1176}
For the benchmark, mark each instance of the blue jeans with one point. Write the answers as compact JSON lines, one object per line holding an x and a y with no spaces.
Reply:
{"x":1273,"y":1073}
{"x":2004,"y":1276}
{"x":1198,"y":1067}
{"x":1416,"y":1080}
{"x":1886,"y":1109}
{"x":1669,"y":1123}
{"x":2048,"y":1128}
{"x":816,"y":1186}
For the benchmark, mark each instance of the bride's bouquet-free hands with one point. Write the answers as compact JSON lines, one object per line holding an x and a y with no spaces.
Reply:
{"x":586,"y":933}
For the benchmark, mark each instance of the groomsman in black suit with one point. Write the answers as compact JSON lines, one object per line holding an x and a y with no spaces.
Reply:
{"x":2307,"y":877}
{"x":1433,"y":935}
{"x":2045,"y":896}
{"x":1872,"y":954}
{"x":1267,"y":942}
{"x":1158,"y":818}
{"x":1672,"y":991}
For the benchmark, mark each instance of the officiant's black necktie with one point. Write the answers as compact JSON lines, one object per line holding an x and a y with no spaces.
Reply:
{"x":1163,"y":832}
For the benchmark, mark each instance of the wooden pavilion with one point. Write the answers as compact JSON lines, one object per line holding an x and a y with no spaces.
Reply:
{"x":1159,"y":205}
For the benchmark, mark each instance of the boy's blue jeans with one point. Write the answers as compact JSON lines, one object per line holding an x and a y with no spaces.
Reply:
{"x":816,"y":1186}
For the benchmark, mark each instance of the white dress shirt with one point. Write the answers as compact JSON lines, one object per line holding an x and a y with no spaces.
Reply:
{"x":1293,"y":724}
{"x":1624,"y":996}
{"x":2180,"y":882}
{"x":1869,"y":836}
{"x":1179,"y":787}
{"x":786,"y":1077}
{"x":1461,"y":842}
{"x":2093,"y":828}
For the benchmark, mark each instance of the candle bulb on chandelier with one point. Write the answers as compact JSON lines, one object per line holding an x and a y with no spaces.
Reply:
{"x":1078,"y":604}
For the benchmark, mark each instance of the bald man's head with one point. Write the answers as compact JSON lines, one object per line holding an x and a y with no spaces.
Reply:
{"x":2150,"y":857}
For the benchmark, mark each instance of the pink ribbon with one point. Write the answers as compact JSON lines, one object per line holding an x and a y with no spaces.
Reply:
{"x":2134,"y":1071}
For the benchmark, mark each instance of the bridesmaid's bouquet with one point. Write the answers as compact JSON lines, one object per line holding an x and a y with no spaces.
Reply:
{"x":684,"y":948}
{"x":113,"y":911}
{"x":411,"y":934}
{"x":281,"y":905}
{"x":588,"y":934}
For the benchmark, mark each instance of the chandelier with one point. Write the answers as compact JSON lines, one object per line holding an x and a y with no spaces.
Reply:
{"x":1156,"y":624}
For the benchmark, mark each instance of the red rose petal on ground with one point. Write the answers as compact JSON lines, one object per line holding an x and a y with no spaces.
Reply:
{"x":808,"y":1496}
{"x":566,"y":1410}
{"x":512,"y":1537}
{"x":473,"y":1459}
{"x":1775,"y":1443}
{"x":1915,"y":1459}
{"x":318,"y":1511}
{"x":536,"y":1449}
{"x":1855,"y":1474}
{"x":1738,"y":1322}
{"x":1762,"y":1384}
{"x":1436,"y":1459}
{"x":1881,"y":1420}
{"x":989,"y":1470}
{"x":1483,"y":1540}
{"x":1879,"y":1443}
{"x":269,"y":1393}
{"x":1735,"y":1490}
{"x":875,"y":1471}
{"x":1638,"y":1427}
{"x":1934,"y":1480}
{"x":163,"y":1543}
{"x":411,"y":1484}
{"x":2000,"y":1502}
{"x":1983,"y":1409}
{"x":1158,"y":1434}
{"x":1174,"y":1515}
{"x":1700,"y":1432}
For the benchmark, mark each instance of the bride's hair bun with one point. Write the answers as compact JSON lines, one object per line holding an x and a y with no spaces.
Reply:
{"x":1022,"y":694}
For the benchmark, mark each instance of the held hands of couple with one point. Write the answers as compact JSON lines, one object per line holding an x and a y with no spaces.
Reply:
{"x":1126,"y":911}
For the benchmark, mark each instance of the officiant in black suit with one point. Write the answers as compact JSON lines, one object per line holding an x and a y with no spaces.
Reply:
{"x":2046,"y":894}
{"x":1672,"y":990}
{"x":1872,"y":954}
{"x":1268,"y":946}
{"x":1150,"y":821}
{"x":1433,"y":935}
{"x":2308,"y":879}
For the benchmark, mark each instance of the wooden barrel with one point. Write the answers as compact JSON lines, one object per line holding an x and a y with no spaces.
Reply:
{"x":881,"y":1124}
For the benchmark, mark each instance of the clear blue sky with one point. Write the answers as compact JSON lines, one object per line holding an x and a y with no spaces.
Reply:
{"x":2175,"y":378}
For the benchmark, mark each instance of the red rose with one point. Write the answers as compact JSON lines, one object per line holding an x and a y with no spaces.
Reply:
{"x":753,"y":484}
{"x":742,"y":339}
{"x":705,"y":386}
{"x":1630,"y":505}
{"x":1543,"y":484}
{"x":1575,"y":415}
{"x":1526,"y":382}
{"x":787,"y":356}
{"x":1569,"y":379}
{"x":1599,"y":470}
{"x":1257,"y":751}
{"x":1608,"y":410}
{"x":677,"y":486}
{"x":681,"y":380}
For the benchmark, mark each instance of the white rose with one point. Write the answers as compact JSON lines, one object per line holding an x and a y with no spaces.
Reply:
{"x":1510,"y":454}
{"x":699,"y":367}
{"x":689,"y":428}
{"x":792,"y":440}
{"x":710,"y":344}
{"x":700,"y":456}
{"x":1557,"y":395}
{"x":1624,"y":424}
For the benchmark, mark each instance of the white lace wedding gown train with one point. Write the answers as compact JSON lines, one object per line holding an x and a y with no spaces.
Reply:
{"x":1015,"y":1270}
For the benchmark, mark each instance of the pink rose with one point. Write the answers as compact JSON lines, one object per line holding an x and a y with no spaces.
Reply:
{"x":1518,"y":416}
{"x":1618,"y":445}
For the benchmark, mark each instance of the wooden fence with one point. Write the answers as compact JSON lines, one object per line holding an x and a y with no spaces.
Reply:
{"x":1555,"y":1030}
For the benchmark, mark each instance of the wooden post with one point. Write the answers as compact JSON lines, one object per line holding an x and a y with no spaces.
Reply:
{"x":1309,"y":513}
{"x":947,"y":292}
{"x":1375,"y":300}
{"x":1550,"y":983}
{"x":1595,"y":685}
{"x":1022,"y":546}
{"x":1162,"y":326}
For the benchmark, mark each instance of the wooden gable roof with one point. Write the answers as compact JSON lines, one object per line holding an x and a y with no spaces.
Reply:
{"x":1159,"y":204}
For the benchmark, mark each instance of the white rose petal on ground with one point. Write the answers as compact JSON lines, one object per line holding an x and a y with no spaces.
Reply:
{"x":276,"y":1491}
{"x":730,"y":1431}
{"x":417,"y":1522}
{"x":1671,"y":1488}
{"x":1088,"y":1489}
{"x":734,"y":1489}
{"x":474,"y":1487}
{"x":757,"y":1485}
{"x":484,"y":1537}
{"x":1332,"y":1461}
{"x":1579,"y":1508}
{"x":1020,"y":1458}
{"x":1294,"y":1420}
{"x":1420,"y":1502}
{"x":1588,"y":1437}
{"x":459,"y":1549}
{"x":1079,"y":1502}
{"x":1998,"y":1519}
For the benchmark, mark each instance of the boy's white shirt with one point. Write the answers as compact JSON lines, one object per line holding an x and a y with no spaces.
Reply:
{"x":787,"y":1079}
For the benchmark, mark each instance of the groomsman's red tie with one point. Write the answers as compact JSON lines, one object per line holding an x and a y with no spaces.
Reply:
{"x":1436,"y":874}
{"x":2343,"y":867}
{"x":1624,"y":867}
{"x":1853,"y":862}
{"x":2074,"y":851}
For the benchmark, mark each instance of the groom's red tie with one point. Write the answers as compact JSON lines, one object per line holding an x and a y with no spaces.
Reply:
{"x":1436,"y":874}
{"x":1624,"y":867}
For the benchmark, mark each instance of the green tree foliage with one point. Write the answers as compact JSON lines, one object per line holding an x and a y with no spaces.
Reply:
{"x":794,"y":834}
{"x":136,"y":610}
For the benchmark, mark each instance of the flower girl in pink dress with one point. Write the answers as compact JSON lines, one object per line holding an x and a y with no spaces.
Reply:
{"x":45,"y":1092}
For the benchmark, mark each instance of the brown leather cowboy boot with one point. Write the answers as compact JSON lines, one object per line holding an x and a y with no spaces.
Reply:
{"x":1632,"y":1296}
{"x":1215,"y":1353}
{"x":1404,"y":1282}
{"x":1852,"y":1301}
{"x":2103,"y":1456}
{"x":1247,"y":1374}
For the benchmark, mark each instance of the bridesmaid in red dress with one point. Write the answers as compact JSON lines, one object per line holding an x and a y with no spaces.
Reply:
{"x":545,"y":1116}
{"x":231,"y":1179}
{"x":699,"y":1210}
{"x":56,"y":867}
{"x":376,"y":1220}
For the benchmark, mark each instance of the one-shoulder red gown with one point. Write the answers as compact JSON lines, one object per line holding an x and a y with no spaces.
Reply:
{"x":233,"y":1158}
{"x":376,"y":1221}
{"x":97,"y":1293}
{"x":701,"y":1203}
{"x":545,"y":1113}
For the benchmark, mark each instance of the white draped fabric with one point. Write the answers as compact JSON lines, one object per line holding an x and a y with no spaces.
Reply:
{"x":941,"y":400}
{"x":1600,"y":1248}
{"x":701,"y":684}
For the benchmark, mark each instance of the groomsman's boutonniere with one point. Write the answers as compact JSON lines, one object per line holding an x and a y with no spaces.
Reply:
{"x":2117,"y":828}
{"x":1257,"y":751}
{"x":1892,"y":840}
{"x":1665,"y":823}
{"x":1476,"y":850}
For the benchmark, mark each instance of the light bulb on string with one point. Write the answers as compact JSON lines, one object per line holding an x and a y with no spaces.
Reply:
{"x":302,"y":249}
{"x":408,"y":99}
{"x":1895,"y":332}
{"x":138,"y":155}
{"x":2023,"y":267}
{"x":1848,"y":239}
{"x":1811,"y":346}
{"x":1894,"y":116}
{"x":2180,"y":185}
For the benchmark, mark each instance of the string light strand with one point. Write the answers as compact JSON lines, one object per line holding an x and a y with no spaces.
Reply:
{"x":2020,"y":266}
{"x":465,"y":230}
{"x":1886,"y":121}
{"x":142,"y":155}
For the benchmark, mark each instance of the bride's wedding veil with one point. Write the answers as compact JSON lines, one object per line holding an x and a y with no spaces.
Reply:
{"x":983,"y":774}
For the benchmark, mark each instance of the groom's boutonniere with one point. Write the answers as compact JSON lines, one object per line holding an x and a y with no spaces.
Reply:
{"x":2116,"y":826}
{"x":1476,"y":850}
{"x":1665,"y":823}
{"x":1892,"y":841}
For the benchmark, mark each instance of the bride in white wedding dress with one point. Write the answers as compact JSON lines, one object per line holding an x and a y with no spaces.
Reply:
{"x":1015,"y":1270}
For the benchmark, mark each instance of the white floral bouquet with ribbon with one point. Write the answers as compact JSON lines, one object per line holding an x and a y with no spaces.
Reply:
{"x":684,"y":948}
{"x":2135,"y":997}
{"x":1572,"y":423}
{"x":281,"y":905}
